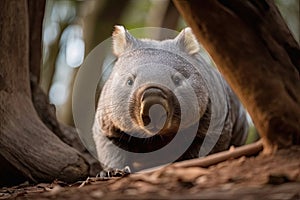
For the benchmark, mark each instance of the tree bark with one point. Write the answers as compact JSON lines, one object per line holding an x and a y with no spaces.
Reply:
{"x":28,"y":149}
{"x":258,"y":56}
{"x":36,"y":15}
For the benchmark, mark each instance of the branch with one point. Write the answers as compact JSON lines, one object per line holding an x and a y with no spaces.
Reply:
{"x":213,"y":159}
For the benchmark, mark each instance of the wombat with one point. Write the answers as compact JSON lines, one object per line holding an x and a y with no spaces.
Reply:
{"x":163,"y":103}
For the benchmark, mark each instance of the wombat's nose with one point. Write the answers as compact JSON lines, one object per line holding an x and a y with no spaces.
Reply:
{"x":154,"y":109}
{"x":153,"y":92}
{"x":150,"y":97}
{"x":155,"y":119}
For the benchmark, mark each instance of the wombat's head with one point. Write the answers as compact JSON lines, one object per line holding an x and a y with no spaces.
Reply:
{"x":155,"y":86}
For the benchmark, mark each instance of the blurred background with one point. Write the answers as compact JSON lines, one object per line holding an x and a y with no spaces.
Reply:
{"x":73,"y":28}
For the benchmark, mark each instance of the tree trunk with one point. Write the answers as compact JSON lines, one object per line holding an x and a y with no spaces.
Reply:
{"x":258,"y":56}
{"x":28,"y":149}
{"x":99,"y":17}
{"x":171,"y":17}
{"x":36,"y":15}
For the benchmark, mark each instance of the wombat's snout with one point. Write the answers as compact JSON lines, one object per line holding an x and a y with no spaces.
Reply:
{"x":155,"y":110}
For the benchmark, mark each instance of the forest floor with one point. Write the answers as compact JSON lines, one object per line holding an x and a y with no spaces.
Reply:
{"x":261,"y":177}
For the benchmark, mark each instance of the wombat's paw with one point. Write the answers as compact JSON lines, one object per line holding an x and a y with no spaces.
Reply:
{"x":109,"y":173}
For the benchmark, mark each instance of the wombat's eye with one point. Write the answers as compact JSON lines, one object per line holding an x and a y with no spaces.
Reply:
{"x":177,"y":80}
{"x":130,"y":82}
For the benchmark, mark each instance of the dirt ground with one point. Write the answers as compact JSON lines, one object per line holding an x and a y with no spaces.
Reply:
{"x":261,"y":177}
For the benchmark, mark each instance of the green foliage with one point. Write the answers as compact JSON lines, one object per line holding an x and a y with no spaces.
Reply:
{"x":252,"y":135}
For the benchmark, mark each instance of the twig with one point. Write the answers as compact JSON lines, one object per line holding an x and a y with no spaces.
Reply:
{"x":246,"y":150}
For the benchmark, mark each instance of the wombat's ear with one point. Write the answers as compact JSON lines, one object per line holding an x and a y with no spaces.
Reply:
{"x":187,"y":41}
{"x":122,"y":40}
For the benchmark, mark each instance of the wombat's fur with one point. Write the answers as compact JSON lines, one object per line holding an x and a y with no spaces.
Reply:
{"x":154,"y":87}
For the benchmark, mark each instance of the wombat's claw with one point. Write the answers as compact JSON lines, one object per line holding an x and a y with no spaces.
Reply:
{"x":109,"y":173}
